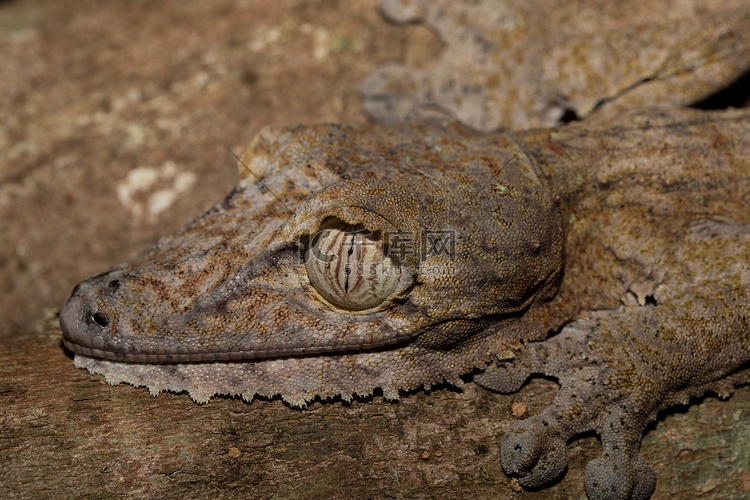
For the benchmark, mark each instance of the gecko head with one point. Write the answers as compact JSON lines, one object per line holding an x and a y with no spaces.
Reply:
{"x":386,"y":259}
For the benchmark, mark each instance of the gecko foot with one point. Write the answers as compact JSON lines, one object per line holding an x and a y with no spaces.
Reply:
{"x":595,"y":394}
{"x":616,"y":371}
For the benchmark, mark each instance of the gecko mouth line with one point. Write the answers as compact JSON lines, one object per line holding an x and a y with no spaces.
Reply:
{"x":241,"y":355}
{"x":93,"y":334}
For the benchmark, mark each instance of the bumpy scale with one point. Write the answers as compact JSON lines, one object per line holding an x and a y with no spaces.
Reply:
{"x":513,"y":64}
{"x":628,"y":243}
{"x":401,"y":256}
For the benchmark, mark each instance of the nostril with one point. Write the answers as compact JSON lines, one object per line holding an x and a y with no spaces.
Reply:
{"x":98,"y":318}
{"x":101,"y":319}
{"x":114,"y":284}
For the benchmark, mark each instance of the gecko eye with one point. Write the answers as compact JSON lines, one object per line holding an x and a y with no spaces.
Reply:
{"x":349,"y":267}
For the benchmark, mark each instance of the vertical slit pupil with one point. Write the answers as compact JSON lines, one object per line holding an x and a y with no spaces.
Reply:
{"x":347,"y":268}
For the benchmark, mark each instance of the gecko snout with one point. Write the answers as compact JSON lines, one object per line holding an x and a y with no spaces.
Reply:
{"x":90,"y":315}
{"x":83,"y":325}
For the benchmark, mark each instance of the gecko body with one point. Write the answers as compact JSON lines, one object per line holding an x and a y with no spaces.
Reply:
{"x":637,"y":266}
{"x":611,"y":254}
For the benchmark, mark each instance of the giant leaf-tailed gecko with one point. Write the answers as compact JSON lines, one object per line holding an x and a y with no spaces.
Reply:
{"x":613,"y":256}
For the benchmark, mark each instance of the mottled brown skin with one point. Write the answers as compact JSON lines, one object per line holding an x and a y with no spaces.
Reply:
{"x":515,"y":64}
{"x":658,"y":247}
{"x":624,"y":241}
{"x":233,"y":286}
{"x":650,"y":307}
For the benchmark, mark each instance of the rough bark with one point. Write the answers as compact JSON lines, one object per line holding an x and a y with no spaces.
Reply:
{"x":92,"y":90}
{"x":64,"y":432}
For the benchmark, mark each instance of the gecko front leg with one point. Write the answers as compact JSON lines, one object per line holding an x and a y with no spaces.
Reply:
{"x":617,"y":369}
{"x":614,"y":383}
{"x":635,"y":236}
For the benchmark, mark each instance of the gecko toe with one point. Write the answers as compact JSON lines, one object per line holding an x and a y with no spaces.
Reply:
{"x":616,"y":477}
{"x":533,"y":452}
{"x":620,"y":472}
